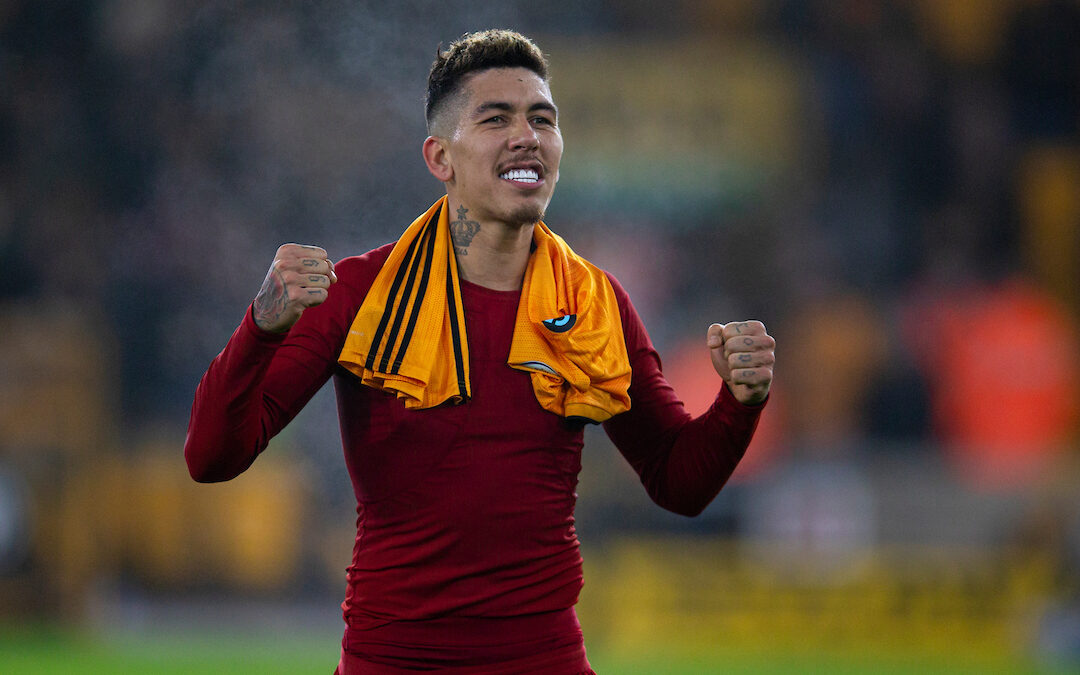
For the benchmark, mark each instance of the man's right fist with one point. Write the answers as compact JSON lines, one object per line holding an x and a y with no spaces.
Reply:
{"x":297,"y":279}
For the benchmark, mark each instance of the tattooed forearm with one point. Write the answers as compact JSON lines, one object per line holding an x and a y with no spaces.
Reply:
{"x":462,"y":231}
{"x":270,"y":302}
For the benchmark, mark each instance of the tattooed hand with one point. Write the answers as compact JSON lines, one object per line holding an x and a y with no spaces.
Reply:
{"x":743,"y":354}
{"x":298,"y":279}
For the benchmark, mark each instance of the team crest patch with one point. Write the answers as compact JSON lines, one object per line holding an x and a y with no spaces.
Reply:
{"x":560,"y":324}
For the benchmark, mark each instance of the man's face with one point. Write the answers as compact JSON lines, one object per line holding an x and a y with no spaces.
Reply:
{"x":506,"y":147}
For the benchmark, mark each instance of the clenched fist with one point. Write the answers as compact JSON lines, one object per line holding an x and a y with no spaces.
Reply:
{"x":743,"y":354}
{"x":298,"y":279}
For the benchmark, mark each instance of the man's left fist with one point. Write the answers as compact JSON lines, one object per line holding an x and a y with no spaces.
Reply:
{"x":743,"y":354}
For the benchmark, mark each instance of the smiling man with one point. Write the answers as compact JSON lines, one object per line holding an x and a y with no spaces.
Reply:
{"x":467,"y":357}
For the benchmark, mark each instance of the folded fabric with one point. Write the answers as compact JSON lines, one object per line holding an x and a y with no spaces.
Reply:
{"x":409,"y":335}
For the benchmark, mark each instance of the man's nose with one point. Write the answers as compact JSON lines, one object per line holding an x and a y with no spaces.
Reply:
{"x":523,"y":136}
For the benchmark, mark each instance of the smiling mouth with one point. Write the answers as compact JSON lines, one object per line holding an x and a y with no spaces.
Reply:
{"x":521,"y":176}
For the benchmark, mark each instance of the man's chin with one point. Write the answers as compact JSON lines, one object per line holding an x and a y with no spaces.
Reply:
{"x":528,"y":213}
{"x":526,"y":216}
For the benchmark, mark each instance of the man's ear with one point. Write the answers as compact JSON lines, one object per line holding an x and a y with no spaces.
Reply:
{"x":438,"y":159}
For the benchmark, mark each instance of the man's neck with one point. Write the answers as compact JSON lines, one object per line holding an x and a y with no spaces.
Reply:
{"x":490,"y":253}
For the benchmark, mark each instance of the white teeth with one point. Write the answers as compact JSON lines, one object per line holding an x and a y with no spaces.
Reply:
{"x":523,"y":175}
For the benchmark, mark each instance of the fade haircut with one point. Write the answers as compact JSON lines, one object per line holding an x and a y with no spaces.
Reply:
{"x":472,"y":53}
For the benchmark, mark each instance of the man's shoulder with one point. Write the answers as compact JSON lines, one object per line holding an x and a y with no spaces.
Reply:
{"x":595,"y":269}
{"x":620,"y":292}
{"x":358,"y":268}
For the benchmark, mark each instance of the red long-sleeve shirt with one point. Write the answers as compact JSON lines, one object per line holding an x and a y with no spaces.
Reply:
{"x":468,"y":510}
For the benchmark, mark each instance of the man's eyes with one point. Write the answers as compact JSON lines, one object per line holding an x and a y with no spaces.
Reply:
{"x":499,"y":119}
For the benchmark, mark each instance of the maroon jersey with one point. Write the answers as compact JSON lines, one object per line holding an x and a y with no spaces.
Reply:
{"x":465,"y":512}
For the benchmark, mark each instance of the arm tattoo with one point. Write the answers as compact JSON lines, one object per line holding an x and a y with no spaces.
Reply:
{"x":270,"y":302}
{"x":462,"y":231}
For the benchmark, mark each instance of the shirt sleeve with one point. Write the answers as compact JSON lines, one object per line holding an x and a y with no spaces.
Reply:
{"x":261,"y":380}
{"x":682,"y":461}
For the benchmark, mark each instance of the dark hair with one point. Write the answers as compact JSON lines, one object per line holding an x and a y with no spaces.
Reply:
{"x":474,"y":52}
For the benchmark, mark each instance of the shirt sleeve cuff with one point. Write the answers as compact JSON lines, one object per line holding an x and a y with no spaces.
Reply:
{"x":252,"y":330}
{"x":726,"y":399}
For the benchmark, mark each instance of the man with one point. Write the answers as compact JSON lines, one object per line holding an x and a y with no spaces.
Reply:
{"x":466,"y":359}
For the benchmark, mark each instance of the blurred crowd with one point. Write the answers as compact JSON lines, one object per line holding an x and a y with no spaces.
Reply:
{"x":893,"y":187}
{"x":155,"y":154}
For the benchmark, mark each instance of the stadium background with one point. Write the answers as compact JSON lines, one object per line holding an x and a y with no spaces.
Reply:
{"x":893,"y":187}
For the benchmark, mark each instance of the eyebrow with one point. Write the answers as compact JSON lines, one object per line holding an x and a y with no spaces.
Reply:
{"x":506,"y":107}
